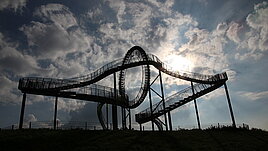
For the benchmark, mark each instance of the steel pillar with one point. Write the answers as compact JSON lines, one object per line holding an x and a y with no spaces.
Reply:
{"x":114,"y":107}
{"x":151,"y":107}
{"x":125,"y":116}
{"x":122,"y":114}
{"x":124,"y":124}
{"x":129,"y":117}
{"x":170,"y":121}
{"x":22,"y":110}
{"x":107,"y":115}
{"x":163,"y":99}
{"x":55,"y":113}
{"x":229,"y":104}
{"x":196,"y":109}
{"x":140,"y":127}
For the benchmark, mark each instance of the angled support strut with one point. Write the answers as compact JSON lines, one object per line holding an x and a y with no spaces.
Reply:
{"x":163,"y":99}
{"x":196,"y":109}
{"x":230,"y":105}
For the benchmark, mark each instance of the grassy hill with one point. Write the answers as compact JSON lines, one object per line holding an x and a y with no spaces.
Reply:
{"x":223,"y":139}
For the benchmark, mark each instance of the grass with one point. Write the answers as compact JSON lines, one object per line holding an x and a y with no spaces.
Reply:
{"x":211,"y":139}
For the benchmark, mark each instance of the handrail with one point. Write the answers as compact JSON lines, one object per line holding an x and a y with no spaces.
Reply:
{"x":82,"y":82}
{"x":179,"y":96}
{"x":58,"y":83}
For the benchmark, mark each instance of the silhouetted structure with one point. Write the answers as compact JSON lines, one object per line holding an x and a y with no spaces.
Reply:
{"x":83,"y":88}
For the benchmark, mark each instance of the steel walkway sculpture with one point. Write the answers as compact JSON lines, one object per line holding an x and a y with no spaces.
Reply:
{"x":83,"y":88}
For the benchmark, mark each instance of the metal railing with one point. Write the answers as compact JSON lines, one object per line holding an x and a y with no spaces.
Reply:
{"x":60,"y":125}
{"x":93,"y":89}
{"x":51,"y":83}
{"x":74,"y":84}
{"x":171,"y":71}
{"x":179,"y":97}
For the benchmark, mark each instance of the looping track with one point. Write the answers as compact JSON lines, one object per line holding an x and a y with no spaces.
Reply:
{"x":83,"y":87}
{"x":135,"y":53}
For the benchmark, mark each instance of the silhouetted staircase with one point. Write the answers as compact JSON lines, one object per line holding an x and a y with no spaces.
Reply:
{"x":180,"y":98}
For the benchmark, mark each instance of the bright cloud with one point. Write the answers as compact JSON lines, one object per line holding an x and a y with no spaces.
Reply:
{"x":58,"y":35}
{"x":233,"y":30}
{"x":206,"y":50}
{"x":56,"y":13}
{"x":30,"y":118}
{"x":258,"y":21}
{"x":254,"y":96}
{"x":8,"y":88}
{"x":12,"y":4}
{"x":251,"y":40}
{"x":70,"y":105}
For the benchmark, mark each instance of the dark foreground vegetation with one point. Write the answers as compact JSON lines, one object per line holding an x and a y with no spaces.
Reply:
{"x":210,"y":139}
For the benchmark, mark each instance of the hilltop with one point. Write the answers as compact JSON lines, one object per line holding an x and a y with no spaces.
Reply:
{"x":213,"y":139}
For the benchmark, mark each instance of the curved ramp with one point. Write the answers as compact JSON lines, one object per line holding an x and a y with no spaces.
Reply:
{"x":83,"y":87}
{"x":66,"y":87}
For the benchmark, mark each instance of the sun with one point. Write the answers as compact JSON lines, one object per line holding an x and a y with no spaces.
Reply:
{"x":179,"y":63}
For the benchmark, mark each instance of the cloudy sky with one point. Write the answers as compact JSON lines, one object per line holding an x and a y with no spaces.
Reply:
{"x":63,"y":39}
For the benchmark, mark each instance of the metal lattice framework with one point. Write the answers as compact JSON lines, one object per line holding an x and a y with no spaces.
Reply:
{"x":83,"y":87}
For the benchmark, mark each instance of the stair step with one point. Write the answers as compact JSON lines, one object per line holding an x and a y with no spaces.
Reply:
{"x":174,"y":104}
{"x":178,"y":103}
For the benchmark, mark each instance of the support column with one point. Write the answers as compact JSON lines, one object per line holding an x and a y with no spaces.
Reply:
{"x":114,"y":112}
{"x":230,"y":105}
{"x":123,"y":111}
{"x":170,"y":121}
{"x":55,"y":113}
{"x":151,"y":107}
{"x":140,"y":127}
{"x":22,"y":110}
{"x":129,"y":117}
{"x":196,"y":109}
{"x":163,"y":99}
{"x":107,"y":116}
{"x":122,"y":115}
{"x":114,"y":107}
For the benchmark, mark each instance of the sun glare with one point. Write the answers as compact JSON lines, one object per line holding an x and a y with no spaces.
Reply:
{"x":179,"y":63}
